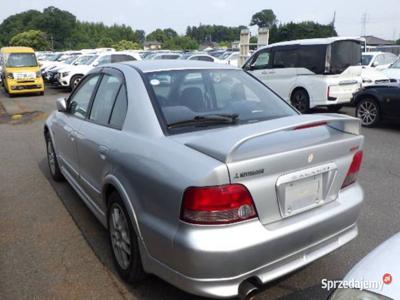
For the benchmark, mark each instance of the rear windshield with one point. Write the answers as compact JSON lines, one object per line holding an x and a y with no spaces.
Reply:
{"x":18,"y":60}
{"x":189,"y":94}
{"x":343,"y":55}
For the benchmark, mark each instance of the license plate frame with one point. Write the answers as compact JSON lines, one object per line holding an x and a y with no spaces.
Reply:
{"x":304,"y":190}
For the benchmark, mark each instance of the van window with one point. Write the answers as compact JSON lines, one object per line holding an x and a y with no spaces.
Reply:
{"x":285,"y":58}
{"x":312,"y":58}
{"x":345,"y":54}
{"x":262,"y":61}
{"x":18,"y":60}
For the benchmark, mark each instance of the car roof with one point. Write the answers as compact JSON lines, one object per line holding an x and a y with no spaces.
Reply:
{"x":319,"y":41}
{"x":17,"y":50}
{"x":147,"y":66}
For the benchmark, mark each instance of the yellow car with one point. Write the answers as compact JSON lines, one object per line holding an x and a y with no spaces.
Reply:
{"x":20,"y":71}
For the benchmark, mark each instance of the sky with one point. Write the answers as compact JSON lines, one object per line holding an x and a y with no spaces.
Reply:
{"x":382,"y":19}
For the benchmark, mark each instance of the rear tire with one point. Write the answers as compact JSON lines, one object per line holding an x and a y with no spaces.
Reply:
{"x":368,"y":111}
{"x":300,"y":100}
{"x":124,"y":241}
{"x":335,"y":108}
{"x":54,"y":167}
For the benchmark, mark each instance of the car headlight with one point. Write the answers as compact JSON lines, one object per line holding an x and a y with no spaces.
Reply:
{"x":38,"y":74}
{"x":64,"y":74}
{"x":10,"y":75}
{"x":354,"y":294}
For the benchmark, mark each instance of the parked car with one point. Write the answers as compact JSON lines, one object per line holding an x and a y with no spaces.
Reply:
{"x":20,"y":71}
{"x":200,"y":56}
{"x":310,"y":73}
{"x":377,"y":103}
{"x":167,"y":55}
{"x":49,"y":75}
{"x":381,"y":267}
{"x":378,"y":60}
{"x":230,"y":58}
{"x":203,"y":176}
{"x":71,"y":75}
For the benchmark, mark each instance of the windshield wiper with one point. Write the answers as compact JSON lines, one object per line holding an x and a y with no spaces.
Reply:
{"x":205,"y":120}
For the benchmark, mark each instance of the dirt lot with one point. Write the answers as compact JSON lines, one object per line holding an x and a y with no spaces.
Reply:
{"x":52,"y":247}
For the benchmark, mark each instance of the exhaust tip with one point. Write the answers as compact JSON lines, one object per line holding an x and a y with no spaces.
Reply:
{"x":247,"y":290}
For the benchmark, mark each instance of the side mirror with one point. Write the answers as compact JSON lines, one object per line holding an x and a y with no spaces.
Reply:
{"x":61,"y":105}
{"x":95,"y":64}
{"x":375,"y":64}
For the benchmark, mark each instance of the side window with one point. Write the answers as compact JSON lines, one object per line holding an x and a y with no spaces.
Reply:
{"x":79,"y":102}
{"x":285,"y":59}
{"x":104,"y":60}
{"x":312,"y":58}
{"x":121,"y":57}
{"x":379,"y":60}
{"x":120,"y":107}
{"x":262,"y":61}
{"x":105,"y":97}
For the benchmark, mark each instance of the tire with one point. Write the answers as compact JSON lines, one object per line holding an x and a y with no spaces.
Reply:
{"x":300,"y":100}
{"x":335,"y":108}
{"x":54,"y":167}
{"x":123,"y":242}
{"x":369,"y":112}
{"x":41,"y":93}
{"x":75,"y":81}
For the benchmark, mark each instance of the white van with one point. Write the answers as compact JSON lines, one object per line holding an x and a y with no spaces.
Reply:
{"x":310,"y":73}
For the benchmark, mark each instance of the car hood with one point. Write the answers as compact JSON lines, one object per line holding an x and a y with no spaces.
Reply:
{"x":382,"y":260}
{"x":223,"y":144}
{"x":392,"y":73}
{"x":372,"y":74}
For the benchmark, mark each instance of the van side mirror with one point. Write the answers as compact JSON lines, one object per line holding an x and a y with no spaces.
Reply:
{"x":62,"y":105}
{"x":375,"y":64}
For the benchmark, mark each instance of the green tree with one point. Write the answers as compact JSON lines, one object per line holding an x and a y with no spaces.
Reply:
{"x":33,"y":38}
{"x":126,"y":45}
{"x":214,"y":33}
{"x":162,"y":35}
{"x":180,"y":43}
{"x":265,"y":18}
{"x":302,"y":30}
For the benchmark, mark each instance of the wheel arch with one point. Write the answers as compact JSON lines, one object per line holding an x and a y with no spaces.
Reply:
{"x":113,"y":184}
{"x":367,"y":95}
{"x":296,"y":88}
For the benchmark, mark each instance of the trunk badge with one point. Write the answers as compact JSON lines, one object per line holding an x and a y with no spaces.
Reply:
{"x":310,"y":158}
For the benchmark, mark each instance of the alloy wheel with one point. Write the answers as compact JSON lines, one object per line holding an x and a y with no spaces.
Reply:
{"x":367,"y":112}
{"x":120,"y":236}
{"x":51,"y":157}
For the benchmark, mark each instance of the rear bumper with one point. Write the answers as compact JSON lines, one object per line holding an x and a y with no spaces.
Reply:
{"x":213,"y":262}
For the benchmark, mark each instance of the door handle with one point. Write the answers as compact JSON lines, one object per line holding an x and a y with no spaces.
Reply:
{"x":103,"y":151}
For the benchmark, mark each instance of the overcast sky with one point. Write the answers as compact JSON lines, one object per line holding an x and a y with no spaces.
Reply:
{"x":382,"y":17}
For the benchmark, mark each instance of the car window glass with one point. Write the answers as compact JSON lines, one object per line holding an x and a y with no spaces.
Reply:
{"x":262,"y":60}
{"x":119,"y":111}
{"x":312,"y":58}
{"x":380,"y":59}
{"x":79,"y":102}
{"x":121,"y":58}
{"x":206,"y":58}
{"x":104,"y":99}
{"x":285,"y":59}
{"x":104,"y":60}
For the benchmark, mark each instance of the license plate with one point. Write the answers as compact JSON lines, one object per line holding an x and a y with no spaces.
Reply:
{"x":303,"y":194}
{"x":24,"y":76}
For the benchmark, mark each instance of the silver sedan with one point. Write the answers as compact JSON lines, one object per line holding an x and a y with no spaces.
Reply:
{"x":204,"y":176}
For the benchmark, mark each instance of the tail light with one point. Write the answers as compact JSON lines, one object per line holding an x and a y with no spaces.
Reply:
{"x":223,"y":204}
{"x":355,"y":166}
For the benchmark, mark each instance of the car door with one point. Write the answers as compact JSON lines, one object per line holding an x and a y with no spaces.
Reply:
{"x":68,"y":124}
{"x":95,"y":141}
{"x":260,"y":66}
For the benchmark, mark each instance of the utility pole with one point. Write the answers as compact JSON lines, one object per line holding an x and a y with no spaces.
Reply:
{"x":333,"y":22}
{"x":364,"y":21}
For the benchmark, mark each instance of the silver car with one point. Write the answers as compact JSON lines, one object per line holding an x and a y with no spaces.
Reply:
{"x":203,"y":176}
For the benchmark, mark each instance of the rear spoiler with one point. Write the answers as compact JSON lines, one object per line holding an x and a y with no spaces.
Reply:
{"x":226,"y":143}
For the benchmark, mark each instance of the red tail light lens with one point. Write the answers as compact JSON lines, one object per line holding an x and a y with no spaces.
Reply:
{"x":223,"y":204}
{"x":355,"y":166}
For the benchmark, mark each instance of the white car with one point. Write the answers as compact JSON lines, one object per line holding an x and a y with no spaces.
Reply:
{"x":71,"y":75}
{"x":378,"y":60}
{"x":310,"y":73}
{"x":201,"y":57}
{"x":230,"y":58}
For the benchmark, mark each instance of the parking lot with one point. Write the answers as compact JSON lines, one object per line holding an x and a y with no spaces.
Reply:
{"x":54,"y":247}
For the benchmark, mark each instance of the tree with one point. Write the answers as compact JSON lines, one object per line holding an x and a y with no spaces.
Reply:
{"x":264,"y":19}
{"x":180,"y":43}
{"x":214,"y":33}
{"x":33,"y":38}
{"x":126,"y":45}
{"x":303,"y":30}
{"x":161,"y":35}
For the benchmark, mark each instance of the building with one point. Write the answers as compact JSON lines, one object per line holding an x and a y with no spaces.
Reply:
{"x":373,"y":41}
{"x":152,"y":45}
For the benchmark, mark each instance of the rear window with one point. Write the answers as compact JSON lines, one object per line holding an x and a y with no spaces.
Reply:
{"x":189,"y":94}
{"x":18,"y":60}
{"x":312,"y":58}
{"x":345,"y":54}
